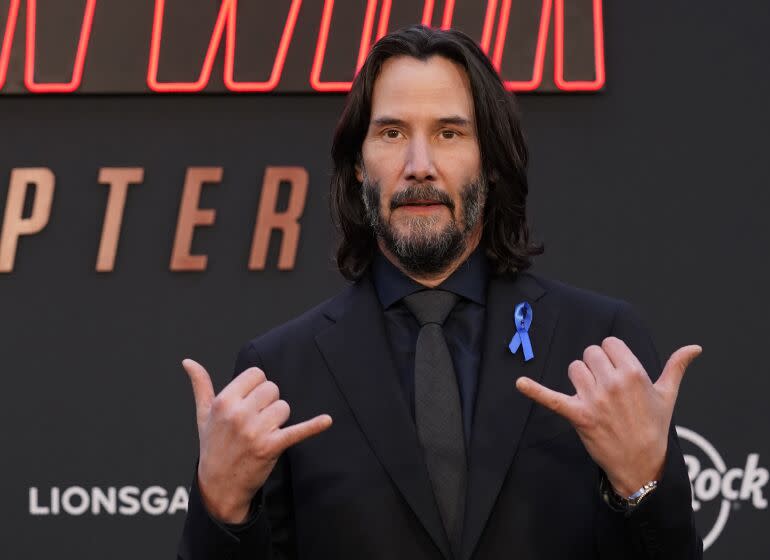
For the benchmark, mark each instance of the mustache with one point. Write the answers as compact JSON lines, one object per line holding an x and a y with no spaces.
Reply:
{"x":427,"y":192}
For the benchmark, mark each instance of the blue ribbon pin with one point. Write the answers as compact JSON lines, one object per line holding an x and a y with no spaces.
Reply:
{"x":522,"y":314}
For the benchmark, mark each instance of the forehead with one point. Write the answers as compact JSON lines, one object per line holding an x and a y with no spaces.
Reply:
{"x":409,"y":88}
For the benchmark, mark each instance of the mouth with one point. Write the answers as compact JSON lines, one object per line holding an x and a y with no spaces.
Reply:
{"x":421,"y":200}
{"x":421,"y":205}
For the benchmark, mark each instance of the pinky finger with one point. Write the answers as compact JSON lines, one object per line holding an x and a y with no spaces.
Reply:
{"x":292,"y":435}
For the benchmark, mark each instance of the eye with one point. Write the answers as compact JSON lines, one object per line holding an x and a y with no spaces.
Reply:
{"x":449,"y":134}
{"x":391,"y":133}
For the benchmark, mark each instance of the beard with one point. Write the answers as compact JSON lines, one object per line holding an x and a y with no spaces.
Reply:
{"x":423,"y":248}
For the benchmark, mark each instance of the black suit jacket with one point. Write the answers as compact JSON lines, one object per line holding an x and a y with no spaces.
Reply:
{"x":361,"y":489}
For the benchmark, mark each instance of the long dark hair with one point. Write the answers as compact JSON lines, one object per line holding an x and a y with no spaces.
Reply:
{"x":505,"y":236}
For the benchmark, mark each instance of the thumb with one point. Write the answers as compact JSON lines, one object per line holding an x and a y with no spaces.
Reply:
{"x":203,"y":390}
{"x":673,"y":372}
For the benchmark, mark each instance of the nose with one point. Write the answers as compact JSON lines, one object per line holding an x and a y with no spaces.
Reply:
{"x":420,"y":167}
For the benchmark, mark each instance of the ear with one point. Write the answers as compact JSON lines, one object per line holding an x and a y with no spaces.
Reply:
{"x":359,"y":170}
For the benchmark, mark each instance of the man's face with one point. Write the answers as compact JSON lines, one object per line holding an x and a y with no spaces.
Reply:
{"x":421,"y":166}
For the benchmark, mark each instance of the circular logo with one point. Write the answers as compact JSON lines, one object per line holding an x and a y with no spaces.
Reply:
{"x":715,"y":489}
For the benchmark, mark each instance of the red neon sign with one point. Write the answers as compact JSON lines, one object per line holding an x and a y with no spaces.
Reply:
{"x":446,"y":19}
{"x":29,"y":61}
{"x":5,"y":49}
{"x":586,"y":85}
{"x":227,"y":18}
{"x":366,"y":37}
{"x":486,"y":38}
{"x":280,"y":57}
{"x":542,"y":38}
{"x":497,"y":15}
{"x":80,"y":56}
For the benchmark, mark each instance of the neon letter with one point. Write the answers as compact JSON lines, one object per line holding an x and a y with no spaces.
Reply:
{"x":363,"y":49}
{"x":227,"y":18}
{"x":542,"y":38}
{"x":5,"y":48}
{"x":80,"y":56}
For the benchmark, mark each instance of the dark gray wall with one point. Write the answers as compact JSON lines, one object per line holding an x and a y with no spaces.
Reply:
{"x":654,"y":191}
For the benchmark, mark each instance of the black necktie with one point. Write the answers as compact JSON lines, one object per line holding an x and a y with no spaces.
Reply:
{"x":438,"y":414}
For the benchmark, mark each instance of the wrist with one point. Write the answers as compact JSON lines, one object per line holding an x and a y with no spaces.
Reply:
{"x":224,"y":508}
{"x":627,"y":485}
{"x":625,"y":489}
{"x":625,"y":503}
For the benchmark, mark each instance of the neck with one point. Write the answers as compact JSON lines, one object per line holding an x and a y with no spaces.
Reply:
{"x":433,"y":280}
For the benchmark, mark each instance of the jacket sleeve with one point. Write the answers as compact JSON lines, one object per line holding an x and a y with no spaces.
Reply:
{"x":267,"y":533}
{"x":662,"y":527}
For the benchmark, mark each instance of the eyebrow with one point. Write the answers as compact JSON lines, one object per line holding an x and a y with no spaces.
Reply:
{"x":456,"y":120}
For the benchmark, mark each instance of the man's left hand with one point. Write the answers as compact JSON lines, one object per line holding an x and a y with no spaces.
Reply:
{"x":621,"y":417}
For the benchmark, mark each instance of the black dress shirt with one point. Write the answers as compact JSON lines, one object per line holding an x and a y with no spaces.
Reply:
{"x":463,"y":329}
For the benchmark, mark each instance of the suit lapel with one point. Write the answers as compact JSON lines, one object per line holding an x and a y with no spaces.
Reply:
{"x":356,"y":350}
{"x":501,"y":411}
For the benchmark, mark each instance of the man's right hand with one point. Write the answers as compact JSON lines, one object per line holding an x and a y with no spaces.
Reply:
{"x":241,"y":438}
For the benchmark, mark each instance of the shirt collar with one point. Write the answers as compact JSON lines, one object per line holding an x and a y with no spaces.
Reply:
{"x":468,"y":281}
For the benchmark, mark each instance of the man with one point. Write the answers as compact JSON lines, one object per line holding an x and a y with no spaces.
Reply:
{"x":448,"y":369}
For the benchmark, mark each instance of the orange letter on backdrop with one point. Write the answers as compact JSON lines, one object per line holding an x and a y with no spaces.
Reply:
{"x":14,"y":223}
{"x":190,"y":216}
{"x":269,"y":219}
{"x":118,"y":179}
